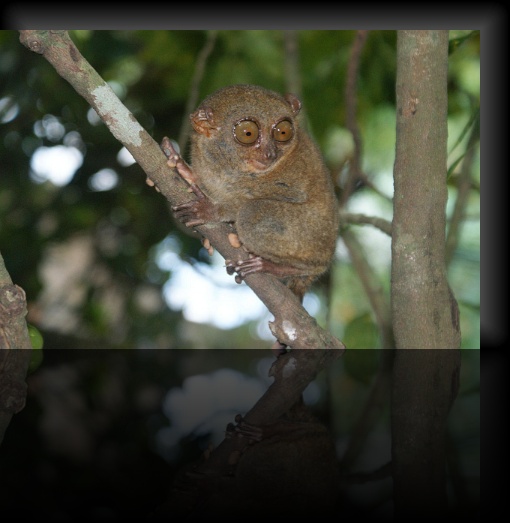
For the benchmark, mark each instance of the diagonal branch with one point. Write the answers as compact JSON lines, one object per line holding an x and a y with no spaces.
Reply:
{"x":198,"y":74}
{"x":373,"y":288}
{"x":362,"y":219}
{"x":464,"y":186}
{"x":355,"y":172}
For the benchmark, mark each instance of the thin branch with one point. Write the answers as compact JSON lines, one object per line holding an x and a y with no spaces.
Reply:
{"x":355,"y":172}
{"x":362,"y":219}
{"x":351,"y":114}
{"x":378,"y":399}
{"x":372,"y":287}
{"x":291,"y":63}
{"x":198,"y":74}
{"x":464,"y":186}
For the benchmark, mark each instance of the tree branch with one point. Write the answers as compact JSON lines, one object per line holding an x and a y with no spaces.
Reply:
{"x":355,"y":172}
{"x":362,"y":219}
{"x":198,"y":74}
{"x":291,"y":63}
{"x":464,"y":186}
{"x":373,"y":288}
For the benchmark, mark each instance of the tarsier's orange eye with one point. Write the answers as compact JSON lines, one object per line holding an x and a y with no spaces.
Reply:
{"x":283,"y":131}
{"x":246,"y":132}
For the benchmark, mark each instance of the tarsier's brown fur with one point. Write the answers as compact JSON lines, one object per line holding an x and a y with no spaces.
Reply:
{"x":276,"y":191}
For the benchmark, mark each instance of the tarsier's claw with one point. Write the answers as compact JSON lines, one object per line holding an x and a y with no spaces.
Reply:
{"x":229,"y":265}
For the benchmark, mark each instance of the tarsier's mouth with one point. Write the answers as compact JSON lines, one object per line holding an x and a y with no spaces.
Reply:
{"x":259,"y":165}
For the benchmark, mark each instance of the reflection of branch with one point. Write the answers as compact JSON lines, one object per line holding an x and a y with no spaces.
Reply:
{"x":464,"y":185}
{"x":198,"y":74}
{"x":377,"y":400}
{"x":350,"y":111}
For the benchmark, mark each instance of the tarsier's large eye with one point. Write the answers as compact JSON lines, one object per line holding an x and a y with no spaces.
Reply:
{"x":283,"y":131}
{"x":246,"y":132}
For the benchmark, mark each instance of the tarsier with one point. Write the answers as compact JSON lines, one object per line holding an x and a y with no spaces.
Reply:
{"x":254,"y":166}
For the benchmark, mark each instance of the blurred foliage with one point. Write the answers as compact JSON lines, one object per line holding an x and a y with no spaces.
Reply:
{"x":152,"y":71}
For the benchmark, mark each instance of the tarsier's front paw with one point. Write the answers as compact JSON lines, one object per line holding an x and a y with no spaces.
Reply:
{"x":196,"y":212}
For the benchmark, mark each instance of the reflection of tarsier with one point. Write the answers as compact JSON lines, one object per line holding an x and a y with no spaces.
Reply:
{"x":254,"y":166}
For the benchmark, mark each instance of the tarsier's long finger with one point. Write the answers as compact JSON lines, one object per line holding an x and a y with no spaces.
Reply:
{"x":185,"y":171}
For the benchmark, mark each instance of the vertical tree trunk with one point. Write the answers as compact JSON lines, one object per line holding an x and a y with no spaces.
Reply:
{"x":425,"y":313}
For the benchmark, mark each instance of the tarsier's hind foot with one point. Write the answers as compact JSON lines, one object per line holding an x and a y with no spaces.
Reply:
{"x":292,"y":276}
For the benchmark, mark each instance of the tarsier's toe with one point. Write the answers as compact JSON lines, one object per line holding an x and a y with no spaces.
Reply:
{"x":207,"y":246}
{"x":233,"y":239}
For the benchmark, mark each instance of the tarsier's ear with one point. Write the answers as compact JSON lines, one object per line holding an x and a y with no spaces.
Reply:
{"x":294,"y":102}
{"x":202,"y":121}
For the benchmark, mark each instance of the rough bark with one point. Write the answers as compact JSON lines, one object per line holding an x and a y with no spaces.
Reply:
{"x":425,"y":313}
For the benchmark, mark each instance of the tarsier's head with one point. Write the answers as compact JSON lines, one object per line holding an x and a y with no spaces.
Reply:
{"x":247,"y":127}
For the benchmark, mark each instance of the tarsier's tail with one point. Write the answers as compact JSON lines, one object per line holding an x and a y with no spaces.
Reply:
{"x":299,"y":285}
